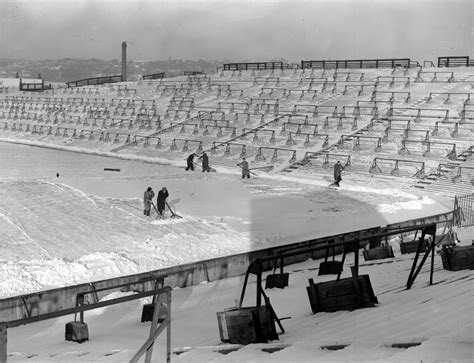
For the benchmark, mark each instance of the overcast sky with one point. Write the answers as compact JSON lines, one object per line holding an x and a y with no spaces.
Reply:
{"x":236,"y":30}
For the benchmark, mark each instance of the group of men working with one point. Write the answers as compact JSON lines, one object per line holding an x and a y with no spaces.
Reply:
{"x":160,"y":201}
{"x":205,"y":164}
{"x":163,"y":193}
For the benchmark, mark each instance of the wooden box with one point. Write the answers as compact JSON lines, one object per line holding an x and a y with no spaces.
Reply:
{"x":378,"y":253}
{"x":277,"y":280}
{"x":147,"y":313}
{"x":458,"y":258}
{"x":344,"y":294}
{"x":77,"y":332}
{"x":247,"y":325}
{"x":330,"y":267}
{"x":411,"y":247}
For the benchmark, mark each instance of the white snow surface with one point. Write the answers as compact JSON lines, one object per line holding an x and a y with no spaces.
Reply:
{"x":87,"y":224}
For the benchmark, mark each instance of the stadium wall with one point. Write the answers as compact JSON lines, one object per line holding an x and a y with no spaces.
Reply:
{"x":23,"y":306}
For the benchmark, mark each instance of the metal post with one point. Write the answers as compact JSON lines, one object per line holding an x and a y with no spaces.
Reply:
{"x":432,"y":248}
{"x":3,"y":342}
{"x":415,"y":261}
{"x":259,"y":287}
{"x":168,"y":328}
{"x":356,"y":260}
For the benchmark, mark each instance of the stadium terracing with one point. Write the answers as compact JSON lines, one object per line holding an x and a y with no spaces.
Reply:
{"x":385,"y":118}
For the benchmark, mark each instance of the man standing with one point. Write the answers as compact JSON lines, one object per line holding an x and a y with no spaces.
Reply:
{"x":161,"y":200}
{"x":337,"y":173}
{"x":190,"y":162}
{"x":245,"y":168}
{"x":205,"y":163}
{"x":147,"y":199}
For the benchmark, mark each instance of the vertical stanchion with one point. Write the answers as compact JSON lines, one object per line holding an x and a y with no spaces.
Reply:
{"x":356,"y":258}
{"x":168,"y":327}
{"x":3,"y":342}
{"x":432,"y":248}
{"x":259,"y":286}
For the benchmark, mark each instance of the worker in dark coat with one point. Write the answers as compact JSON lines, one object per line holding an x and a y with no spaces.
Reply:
{"x":205,"y":162}
{"x":337,"y":173}
{"x":147,"y":199}
{"x":245,"y":168}
{"x":190,"y":162}
{"x":161,"y":200}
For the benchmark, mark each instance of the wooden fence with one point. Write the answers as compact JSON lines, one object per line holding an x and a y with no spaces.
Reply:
{"x":357,"y":63}
{"x":95,"y":81}
{"x":454,"y":61}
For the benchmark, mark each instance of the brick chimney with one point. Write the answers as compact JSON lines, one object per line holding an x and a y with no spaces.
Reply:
{"x":124,"y":61}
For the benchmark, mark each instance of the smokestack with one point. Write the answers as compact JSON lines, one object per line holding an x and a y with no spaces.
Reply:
{"x":124,"y":61}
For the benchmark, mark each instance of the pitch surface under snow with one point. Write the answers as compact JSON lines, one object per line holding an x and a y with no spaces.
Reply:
{"x":87,"y":224}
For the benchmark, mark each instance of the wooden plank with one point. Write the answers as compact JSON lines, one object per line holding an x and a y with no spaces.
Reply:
{"x":357,"y":287}
{"x":313,"y":296}
{"x":341,"y":295}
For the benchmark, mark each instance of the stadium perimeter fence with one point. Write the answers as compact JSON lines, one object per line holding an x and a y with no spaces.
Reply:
{"x":466,"y":204}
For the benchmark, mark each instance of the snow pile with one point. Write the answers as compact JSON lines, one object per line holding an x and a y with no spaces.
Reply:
{"x":417,"y":204}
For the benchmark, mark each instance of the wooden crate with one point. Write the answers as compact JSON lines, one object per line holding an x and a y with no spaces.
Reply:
{"x":411,"y":247}
{"x":378,"y":253}
{"x":77,"y":332}
{"x":277,"y":280}
{"x":247,"y":325}
{"x":458,"y":258}
{"x":345,"y":294}
{"x":330,"y":268}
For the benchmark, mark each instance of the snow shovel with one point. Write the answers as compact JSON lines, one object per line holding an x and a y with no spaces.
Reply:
{"x":251,"y":172}
{"x":173,"y":214}
{"x":156,"y":209}
{"x":266,"y":168}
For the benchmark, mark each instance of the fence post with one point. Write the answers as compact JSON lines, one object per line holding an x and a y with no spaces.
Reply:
{"x":3,"y":342}
{"x":168,"y":327}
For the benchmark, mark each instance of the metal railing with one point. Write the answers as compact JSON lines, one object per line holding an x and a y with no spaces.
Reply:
{"x":466,"y":205}
{"x":162,"y":295}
